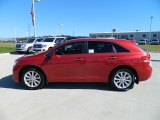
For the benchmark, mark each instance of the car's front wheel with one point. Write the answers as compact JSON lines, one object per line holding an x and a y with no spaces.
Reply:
{"x":29,"y":50}
{"x":32,"y":78}
{"x":122,"y":79}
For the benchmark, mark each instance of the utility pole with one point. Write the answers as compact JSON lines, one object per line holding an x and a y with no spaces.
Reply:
{"x":151,"y":19}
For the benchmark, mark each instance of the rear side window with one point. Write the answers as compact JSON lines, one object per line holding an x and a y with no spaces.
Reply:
{"x":99,"y":47}
{"x":119,"y":48}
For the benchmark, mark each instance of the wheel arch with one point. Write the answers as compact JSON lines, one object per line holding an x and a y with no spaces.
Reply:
{"x":34,"y":67}
{"x":125,"y":67}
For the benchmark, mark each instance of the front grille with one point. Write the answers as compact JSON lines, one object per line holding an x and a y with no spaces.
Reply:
{"x":18,"y":49}
{"x":37,"y":46}
{"x":18,"y":46}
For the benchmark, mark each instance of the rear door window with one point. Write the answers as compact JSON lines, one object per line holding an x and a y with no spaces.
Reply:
{"x":99,"y":47}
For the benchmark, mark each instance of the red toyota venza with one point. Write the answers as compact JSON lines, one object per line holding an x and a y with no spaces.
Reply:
{"x":120,"y":63}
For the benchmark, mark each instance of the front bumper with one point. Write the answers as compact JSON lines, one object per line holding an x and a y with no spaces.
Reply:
{"x":39,"y":49}
{"x":16,"y":75}
{"x":21,"y":49}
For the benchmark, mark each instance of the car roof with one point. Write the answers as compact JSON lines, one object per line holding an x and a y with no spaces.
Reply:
{"x":120,"y":41}
{"x":128,"y":44}
{"x":97,"y":39}
{"x":54,"y":37}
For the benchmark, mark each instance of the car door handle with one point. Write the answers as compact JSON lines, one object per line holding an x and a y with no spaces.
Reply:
{"x":78,"y":59}
{"x":112,"y":57}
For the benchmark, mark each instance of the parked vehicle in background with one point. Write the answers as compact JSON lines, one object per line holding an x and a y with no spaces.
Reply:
{"x":155,"y":42}
{"x":74,"y":37}
{"x":143,"y":42}
{"x":47,"y":43}
{"x":135,"y":41}
{"x":120,"y":63}
{"x":28,"y":45}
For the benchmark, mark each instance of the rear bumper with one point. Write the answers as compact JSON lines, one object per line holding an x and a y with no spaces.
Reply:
{"x":144,"y":72}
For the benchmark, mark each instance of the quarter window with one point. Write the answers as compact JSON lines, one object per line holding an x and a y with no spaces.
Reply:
{"x":119,"y":48}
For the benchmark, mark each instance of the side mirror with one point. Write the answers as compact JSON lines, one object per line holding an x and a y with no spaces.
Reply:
{"x":50,"y":48}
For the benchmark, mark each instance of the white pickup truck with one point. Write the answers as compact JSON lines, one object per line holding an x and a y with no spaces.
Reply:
{"x":47,"y":43}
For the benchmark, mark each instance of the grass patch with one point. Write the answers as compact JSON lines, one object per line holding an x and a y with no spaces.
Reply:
{"x":151,"y":48}
{"x":6,"y":47}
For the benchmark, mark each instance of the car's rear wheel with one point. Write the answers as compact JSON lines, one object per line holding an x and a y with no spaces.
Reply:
{"x":32,"y":78}
{"x":122,"y":79}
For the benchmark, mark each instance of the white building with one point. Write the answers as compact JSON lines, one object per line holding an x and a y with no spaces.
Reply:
{"x":138,"y":35}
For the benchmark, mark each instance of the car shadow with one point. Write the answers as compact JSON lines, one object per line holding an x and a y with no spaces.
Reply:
{"x":78,"y":85}
{"x":16,"y":53}
{"x":7,"y":82}
{"x":20,"y":53}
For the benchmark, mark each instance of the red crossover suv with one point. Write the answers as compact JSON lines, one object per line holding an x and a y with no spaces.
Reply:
{"x":120,"y":63}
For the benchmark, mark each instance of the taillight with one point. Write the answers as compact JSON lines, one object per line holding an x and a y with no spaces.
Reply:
{"x":145,"y":58}
{"x":148,"y":54}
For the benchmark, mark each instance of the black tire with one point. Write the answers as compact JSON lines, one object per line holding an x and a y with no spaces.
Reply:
{"x":32,"y":79}
{"x":29,"y":50}
{"x":122,"y":80}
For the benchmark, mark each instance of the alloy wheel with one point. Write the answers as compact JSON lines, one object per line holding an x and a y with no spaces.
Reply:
{"x":122,"y":79}
{"x":32,"y":79}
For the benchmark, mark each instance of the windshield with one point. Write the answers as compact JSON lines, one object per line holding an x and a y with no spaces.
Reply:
{"x":31,"y":40}
{"x":48,"y":40}
{"x":39,"y":39}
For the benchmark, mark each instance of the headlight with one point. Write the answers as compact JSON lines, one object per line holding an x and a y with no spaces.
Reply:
{"x":22,"y":46}
{"x":44,"y":46}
